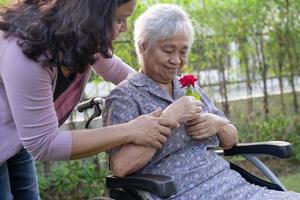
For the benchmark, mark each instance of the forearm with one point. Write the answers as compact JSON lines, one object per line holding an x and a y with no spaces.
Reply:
{"x":228,"y":136}
{"x":112,"y":69}
{"x":130,"y":158}
{"x":90,"y":142}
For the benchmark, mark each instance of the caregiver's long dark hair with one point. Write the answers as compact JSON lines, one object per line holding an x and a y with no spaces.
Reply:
{"x":70,"y":31}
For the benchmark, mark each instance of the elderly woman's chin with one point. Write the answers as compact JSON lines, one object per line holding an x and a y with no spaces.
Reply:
{"x":170,"y":78}
{"x":170,"y":74}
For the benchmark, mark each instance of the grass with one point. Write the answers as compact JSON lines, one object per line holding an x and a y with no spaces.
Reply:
{"x":292,"y":181}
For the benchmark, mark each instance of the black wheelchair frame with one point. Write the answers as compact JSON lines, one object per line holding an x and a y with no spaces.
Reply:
{"x":141,"y":186}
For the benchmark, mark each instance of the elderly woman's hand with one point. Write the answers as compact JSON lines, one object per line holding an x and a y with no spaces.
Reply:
{"x":184,"y":109}
{"x":205,"y":125}
{"x":209,"y":124}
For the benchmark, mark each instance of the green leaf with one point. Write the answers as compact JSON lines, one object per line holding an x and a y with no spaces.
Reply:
{"x":190,"y":92}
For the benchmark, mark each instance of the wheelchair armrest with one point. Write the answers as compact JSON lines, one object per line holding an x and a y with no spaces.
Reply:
{"x":159,"y":185}
{"x":278,"y":149}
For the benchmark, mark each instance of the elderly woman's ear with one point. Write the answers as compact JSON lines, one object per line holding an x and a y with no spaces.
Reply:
{"x":142,"y":48}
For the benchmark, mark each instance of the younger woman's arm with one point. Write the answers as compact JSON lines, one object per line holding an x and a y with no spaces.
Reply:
{"x":112,"y":69}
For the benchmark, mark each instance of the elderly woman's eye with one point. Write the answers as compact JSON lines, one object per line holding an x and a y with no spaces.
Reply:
{"x":167,"y":51}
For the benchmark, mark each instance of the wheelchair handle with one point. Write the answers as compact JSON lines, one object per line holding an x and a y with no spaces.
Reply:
{"x":90,"y":104}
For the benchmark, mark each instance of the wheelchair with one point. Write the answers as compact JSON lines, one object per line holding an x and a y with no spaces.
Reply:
{"x":141,"y":186}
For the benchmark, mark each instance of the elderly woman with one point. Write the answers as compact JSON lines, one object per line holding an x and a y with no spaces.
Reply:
{"x":163,"y":37}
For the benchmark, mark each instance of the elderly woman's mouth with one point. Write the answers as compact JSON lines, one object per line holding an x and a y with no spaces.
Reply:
{"x":172,"y":68}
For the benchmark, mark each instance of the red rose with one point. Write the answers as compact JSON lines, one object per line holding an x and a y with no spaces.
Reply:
{"x":188,"y":80}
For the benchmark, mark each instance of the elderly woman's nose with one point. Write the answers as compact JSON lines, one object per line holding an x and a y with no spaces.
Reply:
{"x":175,"y":59}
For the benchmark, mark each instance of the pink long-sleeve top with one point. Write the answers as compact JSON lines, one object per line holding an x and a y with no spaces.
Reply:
{"x":28,"y":116}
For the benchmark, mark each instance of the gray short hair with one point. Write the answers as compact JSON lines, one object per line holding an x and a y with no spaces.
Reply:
{"x":161,"y":21}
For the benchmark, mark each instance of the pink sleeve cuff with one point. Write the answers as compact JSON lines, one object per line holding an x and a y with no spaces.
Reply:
{"x":112,"y":69}
{"x":61,"y":147}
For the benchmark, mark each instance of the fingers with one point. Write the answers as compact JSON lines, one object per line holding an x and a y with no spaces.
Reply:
{"x":189,"y":100}
{"x":162,"y":134}
{"x":195,"y":121}
{"x":191,"y":117}
{"x":202,"y":118}
{"x":162,"y":139}
{"x":199,"y":131}
{"x":203,"y":133}
{"x":156,"y":144}
{"x":192,"y":98}
{"x":169,"y":123}
{"x":166,"y":131}
{"x":196,"y":106}
{"x":148,"y":131}
{"x":197,"y":102}
{"x":198,"y":127}
{"x":156,"y":113}
{"x":198,"y":109}
{"x":203,"y":136}
{"x":201,"y":127}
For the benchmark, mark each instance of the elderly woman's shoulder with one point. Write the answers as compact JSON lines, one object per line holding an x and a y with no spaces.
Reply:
{"x":124,"y":88}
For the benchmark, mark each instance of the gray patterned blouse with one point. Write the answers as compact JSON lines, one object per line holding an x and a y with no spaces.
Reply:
{"x":198,"y":172}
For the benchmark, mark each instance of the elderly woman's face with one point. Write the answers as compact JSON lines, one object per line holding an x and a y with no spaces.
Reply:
{"x":122,"y":13}
{"x":163,"y":60}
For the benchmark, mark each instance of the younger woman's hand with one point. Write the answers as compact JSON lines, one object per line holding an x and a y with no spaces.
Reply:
{"x":184,"y":109}
{"x":149,"y":130}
